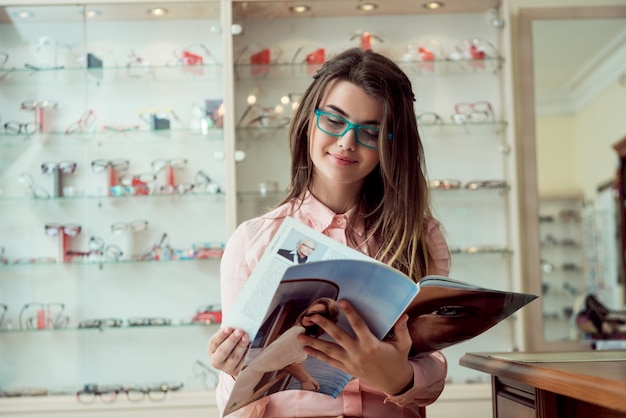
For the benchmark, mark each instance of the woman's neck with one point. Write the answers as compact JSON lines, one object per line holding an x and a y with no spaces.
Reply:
{"x":337,"y":198}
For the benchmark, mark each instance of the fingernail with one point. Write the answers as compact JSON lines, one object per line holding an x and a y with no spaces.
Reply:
{"x":237,"y":333}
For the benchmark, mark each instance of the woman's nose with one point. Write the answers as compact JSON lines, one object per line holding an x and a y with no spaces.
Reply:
{"x":349,"y":139}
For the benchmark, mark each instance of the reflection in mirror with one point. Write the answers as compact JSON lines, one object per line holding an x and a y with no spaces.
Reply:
{"x":573,"y":92}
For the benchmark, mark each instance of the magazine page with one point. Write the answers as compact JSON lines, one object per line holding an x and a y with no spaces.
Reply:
{"x":276,"y":360}
{"x":447,"y":312}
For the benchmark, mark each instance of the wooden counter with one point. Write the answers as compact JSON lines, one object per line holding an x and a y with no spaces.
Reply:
{"x":548,"y":385}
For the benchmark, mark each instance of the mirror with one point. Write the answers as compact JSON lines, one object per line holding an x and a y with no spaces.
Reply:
{"x":572,"y":92}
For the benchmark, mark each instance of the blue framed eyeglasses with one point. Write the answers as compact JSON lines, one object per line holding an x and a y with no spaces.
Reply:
{"x":335,"y":125}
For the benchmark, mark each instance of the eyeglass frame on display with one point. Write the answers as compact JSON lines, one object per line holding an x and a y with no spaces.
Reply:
{"x":9,"y":128}
{"x":133,"y":226}
{"x":472,"y":112}
{"x":148,"y":321}
{"x":100,"y":323}
{"x":445,"y":184}
{"x":159,"y":165}
{"x":84,"y":123}
{"x":160,"y":246}
{"x":71,"y":230}
{"x":486,"y":184}
{"x":66,"y":167}
{"x":42,"y":104}
{"x":436,"y":119}
{"x":180,"y":188}
{"x":202,"y":370}
{"x":34,"y":260}
{"x":118,"y":164}
{"x":38,"y":192}
{"x":3,"y":313}
{"x":202,"y":179}
{"x":51,"y":321}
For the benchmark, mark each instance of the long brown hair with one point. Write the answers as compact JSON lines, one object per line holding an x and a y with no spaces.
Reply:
{"x":394,"y":200}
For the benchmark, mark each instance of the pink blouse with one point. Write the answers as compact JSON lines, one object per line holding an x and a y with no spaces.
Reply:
{"x":244,"y":249}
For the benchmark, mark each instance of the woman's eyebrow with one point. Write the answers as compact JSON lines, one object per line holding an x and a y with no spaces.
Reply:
{"x":345,"y":115}
{"x":338,"y":110}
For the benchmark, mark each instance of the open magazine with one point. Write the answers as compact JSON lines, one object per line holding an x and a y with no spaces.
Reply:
{"x":285,"y":288}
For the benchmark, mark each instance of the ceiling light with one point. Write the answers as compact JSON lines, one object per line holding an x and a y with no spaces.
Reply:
{"x":24,"y":14}
{"x":303,"y":8}
{"x":157,"y":11}
{"x":92,"y":13}
{"x":367,"y":7}
{"x":433,"y":5}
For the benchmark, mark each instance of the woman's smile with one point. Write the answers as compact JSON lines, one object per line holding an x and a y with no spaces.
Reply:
{"x":342,"y":159}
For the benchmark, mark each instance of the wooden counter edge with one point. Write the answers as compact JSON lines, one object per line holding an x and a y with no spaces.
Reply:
{"x":593,"y":389}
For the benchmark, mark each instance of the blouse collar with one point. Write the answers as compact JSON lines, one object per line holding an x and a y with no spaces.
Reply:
{"x":321,"y":217}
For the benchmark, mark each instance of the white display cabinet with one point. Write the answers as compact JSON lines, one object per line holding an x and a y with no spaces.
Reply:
{"x":110,"y":227}
{"x":480,"y":223}
{"x":562,"y":265}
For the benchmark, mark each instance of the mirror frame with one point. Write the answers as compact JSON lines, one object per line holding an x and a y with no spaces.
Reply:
{"x":528,"y":164}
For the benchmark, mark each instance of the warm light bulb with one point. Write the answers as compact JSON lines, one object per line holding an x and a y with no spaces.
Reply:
{"x":303,"y":8}
{"x":367,"y":7}
{"x":433,"y":5}
{"x":91,"y":13}
{"x":158,"y":11}
{"x":24,"y":14}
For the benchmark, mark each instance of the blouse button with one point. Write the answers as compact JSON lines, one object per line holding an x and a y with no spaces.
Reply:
{"x":340,"y":221}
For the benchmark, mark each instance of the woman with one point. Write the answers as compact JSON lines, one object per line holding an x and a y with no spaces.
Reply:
{"x":358,"y":176}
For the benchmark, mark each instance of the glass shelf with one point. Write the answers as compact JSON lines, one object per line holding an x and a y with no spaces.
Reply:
{"x":489,"y":65}
{"x":479,"y":251}
{"x":150,"y":137}
{"x":100,"y":198}
{"x":279,"y":71}
{"x":110,"y":74}
{"x":102,"y":329}
{"x":470,"y":128}
{"x":465,"y":192}
{"x":100,"y":263}
{"x":259,"y":195}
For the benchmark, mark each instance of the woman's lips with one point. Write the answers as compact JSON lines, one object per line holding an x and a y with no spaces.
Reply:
{"x":342,"y":159}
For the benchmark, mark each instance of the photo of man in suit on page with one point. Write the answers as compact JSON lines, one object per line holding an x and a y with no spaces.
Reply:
{"x":300,"y":255}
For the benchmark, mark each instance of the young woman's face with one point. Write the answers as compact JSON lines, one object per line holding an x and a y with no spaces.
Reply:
{"x":342,"y":161}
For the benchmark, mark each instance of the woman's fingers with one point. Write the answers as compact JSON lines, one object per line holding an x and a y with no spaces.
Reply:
{"x":227,"y":349}
{"x":357,"y":323}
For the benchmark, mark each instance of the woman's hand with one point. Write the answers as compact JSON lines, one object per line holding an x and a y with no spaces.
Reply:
{"x":311,"y":385}
{"x":227,"y":349}
{"x":382,"y":364}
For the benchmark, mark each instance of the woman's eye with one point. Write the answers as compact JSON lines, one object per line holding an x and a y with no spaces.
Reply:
{"x":336,"y":122}
{"x":369,"y":133}
{"x":452,"y":311}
